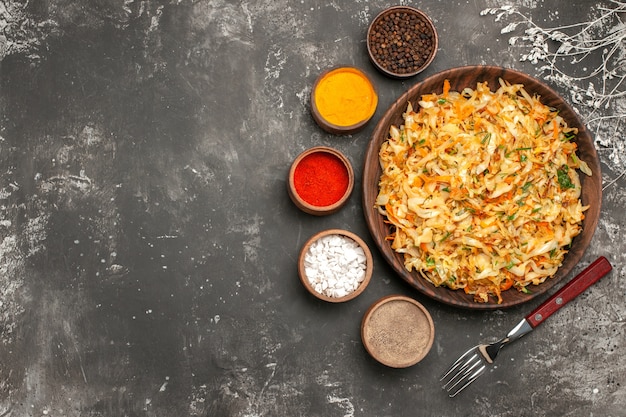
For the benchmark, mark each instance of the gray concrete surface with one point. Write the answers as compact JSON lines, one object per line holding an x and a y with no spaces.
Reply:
{"x":148,"y":246}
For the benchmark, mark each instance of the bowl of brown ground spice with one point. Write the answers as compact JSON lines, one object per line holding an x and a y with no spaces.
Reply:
{"x":397,"y":331}
{"x":402,"y":41}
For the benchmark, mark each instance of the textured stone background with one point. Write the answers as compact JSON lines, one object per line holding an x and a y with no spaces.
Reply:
{"x":148,"y":247}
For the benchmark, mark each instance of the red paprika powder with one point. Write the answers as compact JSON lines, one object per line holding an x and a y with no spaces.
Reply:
{"x":321,"y":179}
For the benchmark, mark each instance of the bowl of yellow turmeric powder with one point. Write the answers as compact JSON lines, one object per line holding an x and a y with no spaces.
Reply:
{"x":343,"y":100}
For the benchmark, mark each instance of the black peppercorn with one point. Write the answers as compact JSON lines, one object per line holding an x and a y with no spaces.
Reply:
{"x":401,"y":41}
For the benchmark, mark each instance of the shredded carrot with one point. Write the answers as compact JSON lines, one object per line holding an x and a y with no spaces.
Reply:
{"x":506,"y":284}
{"x":446,"y":88}
{"x":436,"y":178}
{"x":555,"y":131}
{"x":458,"y":193}
{"x":418,"y":182}
{"x":421,"y":152}
{"x":504,"y":197}
{"x":544,"y":226}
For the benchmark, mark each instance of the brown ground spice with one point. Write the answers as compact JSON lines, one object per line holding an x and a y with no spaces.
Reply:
{"x":398,"y":332}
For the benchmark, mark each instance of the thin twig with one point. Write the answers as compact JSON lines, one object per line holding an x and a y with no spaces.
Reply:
{"x":614,"y":180}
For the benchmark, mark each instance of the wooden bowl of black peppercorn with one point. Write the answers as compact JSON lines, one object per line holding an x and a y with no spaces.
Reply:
{"x":402,"y":41}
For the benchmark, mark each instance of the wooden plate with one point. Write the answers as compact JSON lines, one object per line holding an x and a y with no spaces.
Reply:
{"x":468,"y":77}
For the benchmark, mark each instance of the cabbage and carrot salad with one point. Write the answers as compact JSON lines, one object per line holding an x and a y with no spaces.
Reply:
{"x":482,"y":189}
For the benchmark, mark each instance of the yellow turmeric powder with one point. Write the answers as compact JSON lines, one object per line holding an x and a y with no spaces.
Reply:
{"x":345,"y":97}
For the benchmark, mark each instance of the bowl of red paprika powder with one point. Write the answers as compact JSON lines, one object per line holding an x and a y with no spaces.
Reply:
{"x":320,"y":181}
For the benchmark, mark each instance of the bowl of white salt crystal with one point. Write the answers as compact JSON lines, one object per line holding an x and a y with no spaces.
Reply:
{"x":335,"y":265}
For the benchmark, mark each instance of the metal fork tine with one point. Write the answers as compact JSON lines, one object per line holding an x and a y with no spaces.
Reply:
{"x":461,"y":370}
{"x":467,"y":379}
{"x":471,"y":379}
{"x":465,"y":370}
{"x":458,"y":363}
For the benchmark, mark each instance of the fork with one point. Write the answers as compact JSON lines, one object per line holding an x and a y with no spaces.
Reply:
{"x":473,"y":363}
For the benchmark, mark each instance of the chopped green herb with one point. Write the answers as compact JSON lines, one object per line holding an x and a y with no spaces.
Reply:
{"x":568,"y":136}
{"x":564,"y":180}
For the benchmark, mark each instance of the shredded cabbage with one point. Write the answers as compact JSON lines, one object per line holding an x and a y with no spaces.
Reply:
{"x":482,"y":189}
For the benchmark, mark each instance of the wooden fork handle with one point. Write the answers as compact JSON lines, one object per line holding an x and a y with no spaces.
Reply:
{"x":589,"y":276}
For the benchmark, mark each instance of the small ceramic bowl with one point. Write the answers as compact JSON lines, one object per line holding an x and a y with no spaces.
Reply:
{"x":343,"y":100}
{"x":397,"y":331}
{"x":320,"y":181}
{"x":321,"y":285}
{"x":402,"y":41}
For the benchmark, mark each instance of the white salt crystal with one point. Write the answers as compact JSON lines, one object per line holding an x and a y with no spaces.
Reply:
{"x":339,"y":292}
{"x":335,"y":265}
{"x":347,"y":258}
